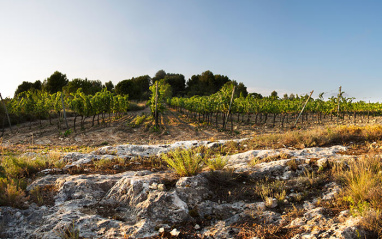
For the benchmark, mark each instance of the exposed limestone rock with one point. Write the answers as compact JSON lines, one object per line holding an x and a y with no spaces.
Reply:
{"x":332,"y":190}
{"x":193,"y":190}
{"x":322,"y":163}
{"x":142,"y":204}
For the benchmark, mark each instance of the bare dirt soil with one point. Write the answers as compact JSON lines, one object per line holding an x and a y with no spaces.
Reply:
{"x":175,"y":126}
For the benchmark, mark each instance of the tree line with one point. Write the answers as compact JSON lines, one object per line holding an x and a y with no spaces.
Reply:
{"x":138,"y":88}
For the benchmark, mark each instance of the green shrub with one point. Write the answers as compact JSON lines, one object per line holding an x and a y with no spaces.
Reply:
{"x":184,"y":162}
{"x":363,"y":181}
{"x":217,"y":163}
{"x":362,"y":191}
{"x":11,"y":193}
{"x":103,"y":163}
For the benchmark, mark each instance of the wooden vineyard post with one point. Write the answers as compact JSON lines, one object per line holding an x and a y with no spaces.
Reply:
{"x":229,"y":109}
{"x":6,"y":112}
{"x":306,"y":102}
{"x":156,"y":105}
{"x":338,"y":106}
{"x":63,"y":108}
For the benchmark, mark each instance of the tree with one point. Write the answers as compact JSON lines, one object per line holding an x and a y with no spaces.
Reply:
{"x":37,"y":85}
{"x":55,"y":82}
{"x":177,"y":83}
{"x":241,"y":89}
{"x":193,"y":86}
{"x":137,"y":88}
{"x":124,"y":87}
{"x":256,"y":95}
{"x":207,"y":81}
{"x":161,"y":74}
{"x":220,"y":80}
{"x":274,"y":95}
{"x":109,"y":86}
{"x":26,"y":86}
{"x":89,"y":87}
{"x":205,"y":84}
{"x":142,"y":84}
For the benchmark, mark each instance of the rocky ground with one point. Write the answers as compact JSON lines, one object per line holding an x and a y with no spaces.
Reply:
{"x":282,"y":196}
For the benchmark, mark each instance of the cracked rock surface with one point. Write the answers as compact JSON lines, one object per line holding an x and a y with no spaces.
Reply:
{"x":139,"y":204}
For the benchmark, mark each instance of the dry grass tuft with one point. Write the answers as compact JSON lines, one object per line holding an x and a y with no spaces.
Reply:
{"x":103,"y":163}
{"x":362,"y":190}
{"x":217,"y":163}
{"x":267,"y":231}
{"x":11,"y":193}
{"x":13,"y":173}
{"x":185,"y":162}
{"x":268,"y":190}
{"x":322,"y":136}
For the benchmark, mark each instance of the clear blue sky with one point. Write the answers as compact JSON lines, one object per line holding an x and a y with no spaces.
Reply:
{"x":288,"y":46}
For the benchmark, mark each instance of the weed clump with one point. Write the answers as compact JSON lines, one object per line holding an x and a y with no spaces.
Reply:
{"x":185,"y":162}
{"x":13,"y":173}
{"x":362,"y":190}
{"x":217,"y":163}
{"x":12,"y":192}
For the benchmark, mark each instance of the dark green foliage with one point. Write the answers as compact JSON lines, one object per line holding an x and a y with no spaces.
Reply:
{"x":256,"y":95}
{"x":161,"y":74}
{"x":177,"y":83}
{"x":137,"y":88}
{"x":220,"y":80}
{"x":55,"y":82}
{"x":274,"y":95}
{"x":205,"y":84}
{"x":26,"y":86}
{"x":109,"y":86}
{"x":89,"y":87}
{"x":124,"y":87}
{"x":241,"y":89}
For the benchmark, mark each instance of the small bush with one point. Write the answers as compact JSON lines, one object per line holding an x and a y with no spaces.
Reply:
{"x":184,"y":162}
{"x":36,"y":193}
{"x":293,"y":164}
{"x":363,"y":181}
{"x":372,"y":221}
{"x":11,"y":193}
{"x":66,"y":133}
{"x":103,"y":163}
{"x":217,"y":163}
{"x":18,"y":167}
{"x":362,"y":190}
{"x":267,"y":190}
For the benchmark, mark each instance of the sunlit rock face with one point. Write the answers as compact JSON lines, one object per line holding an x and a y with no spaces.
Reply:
{"x":140,"y":204}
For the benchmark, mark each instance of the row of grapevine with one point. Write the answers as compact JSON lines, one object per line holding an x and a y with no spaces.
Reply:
{"x":210,"y":108}
{"x":41,"y":105}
